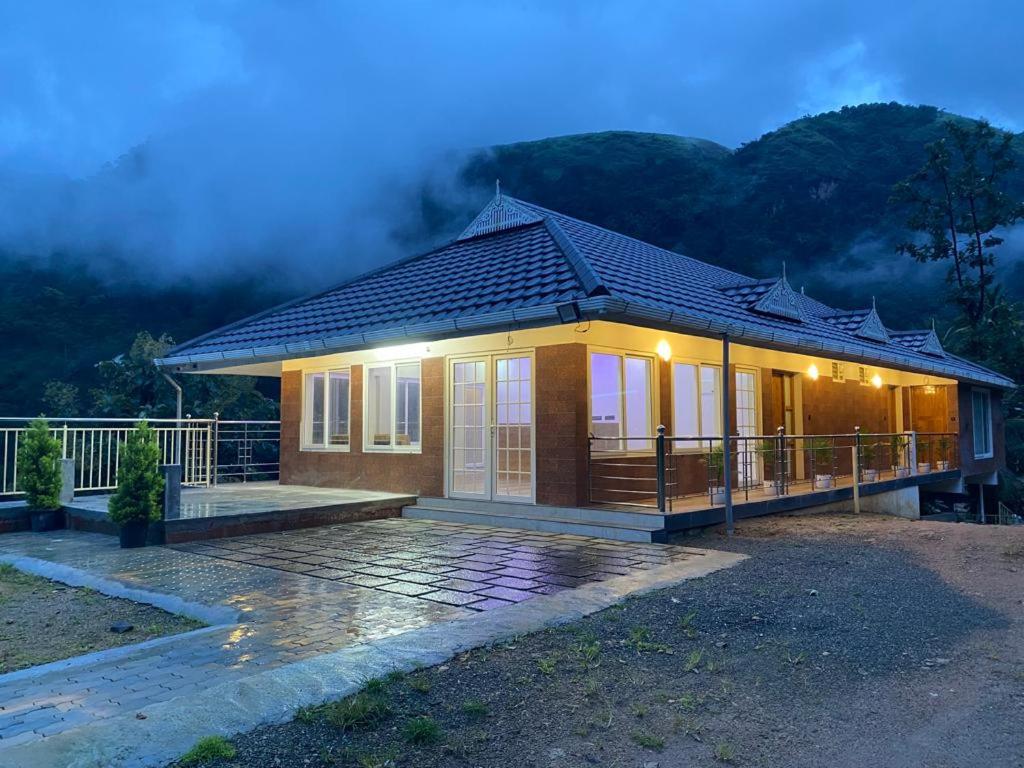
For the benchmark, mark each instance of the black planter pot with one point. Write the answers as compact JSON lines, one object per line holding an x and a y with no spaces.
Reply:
{"x":49,"y":520}
{"x":134,"y":534}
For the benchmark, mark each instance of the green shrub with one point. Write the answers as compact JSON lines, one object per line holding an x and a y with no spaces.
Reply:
{"x":363,"y":710}
{"x":422,"y":730}
{"x":39,"y":467}
{"x":207,"y":749}
{"x":139,"y":483}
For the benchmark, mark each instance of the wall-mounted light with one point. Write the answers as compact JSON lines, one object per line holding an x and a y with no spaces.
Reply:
{"x":812,"y":372}
{"x":664,"y":350}
{"x":876,"y":381}
{"x":569,"y":312}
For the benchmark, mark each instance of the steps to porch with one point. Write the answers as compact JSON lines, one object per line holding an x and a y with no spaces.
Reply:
{"x":616,"y":525}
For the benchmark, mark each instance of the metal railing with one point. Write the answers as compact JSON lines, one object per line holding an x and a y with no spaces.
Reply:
{"x":666,"y":472}
{"x":246,"y":451}
{"x":208,"y":450}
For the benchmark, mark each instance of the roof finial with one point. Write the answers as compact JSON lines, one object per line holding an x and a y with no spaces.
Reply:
{"x":497,"y":189}
{"x":873,"y":304}
{"x":933,"y":325}
{"x":783,"y":269}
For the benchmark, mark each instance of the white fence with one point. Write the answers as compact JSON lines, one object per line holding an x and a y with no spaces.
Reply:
{"x":95,"y":445}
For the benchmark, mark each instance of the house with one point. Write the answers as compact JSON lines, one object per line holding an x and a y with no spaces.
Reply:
{"x":532,"y":360}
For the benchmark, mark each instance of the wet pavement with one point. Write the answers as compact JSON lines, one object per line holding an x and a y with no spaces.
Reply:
{"x":297,"y":594}
{"x":464,"y":565}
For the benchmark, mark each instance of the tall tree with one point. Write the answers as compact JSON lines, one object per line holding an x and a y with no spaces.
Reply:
{"x":957,"y":205}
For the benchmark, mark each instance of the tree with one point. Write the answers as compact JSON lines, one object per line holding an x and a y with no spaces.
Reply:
{"x":39,"y":467}
{"x":61,"y":398}
{"x":139,"y":484}
{"x":131,"y":385}
{"x":957,"y":204}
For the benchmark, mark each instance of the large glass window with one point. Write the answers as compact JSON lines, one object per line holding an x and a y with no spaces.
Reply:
{"x":621,"y":401}
{"x":981,"y":408}
{"x":393,"y":406}
{"x":326,"y":410}
{"x":696,"y":401}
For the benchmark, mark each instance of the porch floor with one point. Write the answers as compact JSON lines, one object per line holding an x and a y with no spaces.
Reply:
{"x":249,"y":499}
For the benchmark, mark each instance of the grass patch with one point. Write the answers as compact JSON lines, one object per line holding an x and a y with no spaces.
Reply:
{"x":419,"y":683}
{"x":206,"y":749}
{"x":724,"y":752}
{"x":421,"y":730}
{"x":640,"y":638}
{"x":474,"y":708}
{"x":360,"y":711}
{"x":547,"y":666}
{"x":648,"y":740}
{"x":693,"y":660}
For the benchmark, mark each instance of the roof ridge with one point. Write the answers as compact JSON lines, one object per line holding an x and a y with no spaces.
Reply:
{"x":547,"y":212}
{"x":585,"y":271}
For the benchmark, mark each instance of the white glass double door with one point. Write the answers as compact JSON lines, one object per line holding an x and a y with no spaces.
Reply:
{"x":490,"y":440}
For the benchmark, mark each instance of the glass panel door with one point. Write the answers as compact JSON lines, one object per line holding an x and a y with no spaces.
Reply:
{"x":491,"y":428}
{"x":513,"y":429}
{"x":746,"y":426}
{"x":468,"y":438}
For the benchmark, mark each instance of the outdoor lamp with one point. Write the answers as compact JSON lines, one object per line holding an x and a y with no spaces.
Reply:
{"x":876,"y":380}
{"x":664,"y":350}
{"x":812,"y":372}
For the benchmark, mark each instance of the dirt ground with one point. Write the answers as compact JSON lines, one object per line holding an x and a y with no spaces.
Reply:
{"x":43,"y":621}
{"x":843,"y":641}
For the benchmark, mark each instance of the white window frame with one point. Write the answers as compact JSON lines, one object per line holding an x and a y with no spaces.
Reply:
{"x":368,"y":446}
{"x":652,"y":394}
{"x":306,"y":423}
{"x":989,"y":451}
{"x":687,"y":446}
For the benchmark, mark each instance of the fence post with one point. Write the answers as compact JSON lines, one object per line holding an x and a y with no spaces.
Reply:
{"x":856,"y":470}
{"x":912,"y":453}
{"x":216,"y":445}
{"x":65,"y":441}
{"x":781,"y":468}
{"x":660,"y":451}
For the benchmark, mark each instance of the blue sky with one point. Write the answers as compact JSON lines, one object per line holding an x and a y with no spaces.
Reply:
{"x":273,"y":123}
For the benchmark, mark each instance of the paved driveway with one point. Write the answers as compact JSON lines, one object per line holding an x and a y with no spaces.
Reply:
{"x":297,"y":595}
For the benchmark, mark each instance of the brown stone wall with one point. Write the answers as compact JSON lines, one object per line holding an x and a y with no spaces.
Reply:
{"x":562,"y":429}
{"x":414,"y":473}
{"x":833,"y":408}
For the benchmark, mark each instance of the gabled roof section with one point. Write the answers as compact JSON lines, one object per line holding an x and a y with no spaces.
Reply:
{"x":926,"y":342}
{"x":501,"y":213}
{"x":863,"y":323}
{"x":768,"y":297}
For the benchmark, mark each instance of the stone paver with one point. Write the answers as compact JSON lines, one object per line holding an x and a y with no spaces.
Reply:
{"x":494,"y":564}
{"x":298,"y":594}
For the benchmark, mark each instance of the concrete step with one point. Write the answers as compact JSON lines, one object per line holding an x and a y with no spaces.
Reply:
{"x":615,"y":517}
{"x":532,"y":522}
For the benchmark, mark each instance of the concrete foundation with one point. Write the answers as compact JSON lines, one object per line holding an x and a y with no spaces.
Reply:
{"x":902,"y":502}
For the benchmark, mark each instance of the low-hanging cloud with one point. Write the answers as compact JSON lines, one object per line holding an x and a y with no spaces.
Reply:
{"x":191,"y":139}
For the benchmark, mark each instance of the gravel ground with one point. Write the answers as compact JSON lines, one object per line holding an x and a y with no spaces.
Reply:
{"x":842,"y":641}
{"x":43,"y":621}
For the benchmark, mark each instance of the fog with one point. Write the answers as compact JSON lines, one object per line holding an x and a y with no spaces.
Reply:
{"x":194,"y":139}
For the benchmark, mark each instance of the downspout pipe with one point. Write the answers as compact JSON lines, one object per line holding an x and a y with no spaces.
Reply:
{"x":177,"y":415}
{"x":726,"y":431}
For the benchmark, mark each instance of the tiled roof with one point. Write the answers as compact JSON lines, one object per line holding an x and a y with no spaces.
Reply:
{"x":518,"y":262}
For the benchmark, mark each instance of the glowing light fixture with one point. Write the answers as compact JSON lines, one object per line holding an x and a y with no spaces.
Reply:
{"x":812,"y":372}
{"x":401,"y":351}
{"x":876,"y":381}
{"x":664,"y":350}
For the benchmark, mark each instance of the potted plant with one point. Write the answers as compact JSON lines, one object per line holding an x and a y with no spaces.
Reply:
{"x":39,"y":476}
{"x":942,"y":464}
{"x":773,"y":485}
{"x":897,"y":446}
{"x":821,"y":453}
{"x":923,"y":467}
{"x":136,"y":502}
{"x":868,"y":472}
{"x":715,"y":462}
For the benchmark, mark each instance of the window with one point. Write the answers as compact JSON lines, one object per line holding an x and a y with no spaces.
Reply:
{"x":621,"y":401}
{"x":838,"y":372}
{"x":326,"y":410}
{"x":392,"y":407}
{"x":696,"y":401}
{"x":981,"y":408}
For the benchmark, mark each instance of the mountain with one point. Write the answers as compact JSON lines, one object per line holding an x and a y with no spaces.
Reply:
{"x":812,"y":194}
